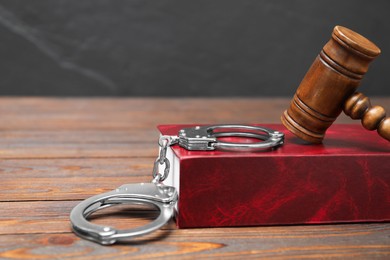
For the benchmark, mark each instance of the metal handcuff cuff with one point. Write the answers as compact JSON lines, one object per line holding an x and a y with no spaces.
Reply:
{"x":156,"y":193}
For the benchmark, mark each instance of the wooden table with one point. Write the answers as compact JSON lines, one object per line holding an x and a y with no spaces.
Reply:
{"x":55,"y":152}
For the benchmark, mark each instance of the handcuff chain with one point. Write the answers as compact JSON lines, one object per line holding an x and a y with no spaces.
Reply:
{"x":158,"y":194}
{"x":164,"y":142}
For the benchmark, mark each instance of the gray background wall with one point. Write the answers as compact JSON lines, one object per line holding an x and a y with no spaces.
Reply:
{"x":177,"y":47}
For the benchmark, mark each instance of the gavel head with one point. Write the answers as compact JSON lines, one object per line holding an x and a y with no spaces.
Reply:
{"x":331,"y":80}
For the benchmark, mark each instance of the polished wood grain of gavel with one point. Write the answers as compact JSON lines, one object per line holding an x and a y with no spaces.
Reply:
{"x":329,"y":88}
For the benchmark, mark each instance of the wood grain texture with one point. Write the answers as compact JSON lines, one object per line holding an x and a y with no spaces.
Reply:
{"x":333,"y":77}
{"x":294,"y":242}
{"x":64,"y":179}
{"x":56,"y":152}
{"x":358,"y":106}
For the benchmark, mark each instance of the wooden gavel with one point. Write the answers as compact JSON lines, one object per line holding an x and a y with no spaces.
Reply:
{"x":329,"y":87}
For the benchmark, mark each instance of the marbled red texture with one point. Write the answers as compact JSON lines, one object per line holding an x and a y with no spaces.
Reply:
{"x":345,"y":179}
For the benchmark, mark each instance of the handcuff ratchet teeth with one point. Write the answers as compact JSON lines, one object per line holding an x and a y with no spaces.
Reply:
{"x":156,"y":194}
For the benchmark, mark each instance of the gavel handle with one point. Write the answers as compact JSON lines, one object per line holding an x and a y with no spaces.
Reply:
{"x":358,"y":106}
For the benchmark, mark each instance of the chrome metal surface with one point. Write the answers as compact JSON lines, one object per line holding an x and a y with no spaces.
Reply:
{"x":164,"y":141}
{"x":162,"y":197}
{"x":156,"y":193}
{"x":206,"y":138}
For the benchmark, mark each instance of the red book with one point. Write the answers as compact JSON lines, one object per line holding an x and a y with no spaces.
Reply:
{"x":345,"y":179}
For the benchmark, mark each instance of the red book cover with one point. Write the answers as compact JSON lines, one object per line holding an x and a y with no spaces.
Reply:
{"x":345,"y":179}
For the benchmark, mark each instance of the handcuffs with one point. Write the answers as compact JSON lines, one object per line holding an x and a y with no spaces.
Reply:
{"x":164,"y":197}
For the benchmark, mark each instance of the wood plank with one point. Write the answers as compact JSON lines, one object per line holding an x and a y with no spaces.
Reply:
{"x":77,"y":150}
{"x":115,"y":128}
{"x":147,"y":135}
{"x":107,"y":114}
{"x":331,"y":241}
{"x":55,"y":152}
{"x":69,"y":179}
{"x":53,"y":217}
{"x":113,"y":114}
{"x":31,"y":105}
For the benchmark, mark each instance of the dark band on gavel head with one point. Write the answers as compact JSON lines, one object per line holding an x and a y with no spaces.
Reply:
{"x":329,"y":84}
